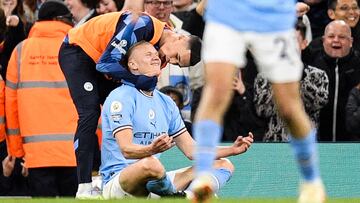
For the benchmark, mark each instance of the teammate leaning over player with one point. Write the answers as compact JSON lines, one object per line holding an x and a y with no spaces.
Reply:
{"x":102,"y":42}
{"x":138,"y":125}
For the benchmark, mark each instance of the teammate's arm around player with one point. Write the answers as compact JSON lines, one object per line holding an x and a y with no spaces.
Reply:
{"x":132,"y":142}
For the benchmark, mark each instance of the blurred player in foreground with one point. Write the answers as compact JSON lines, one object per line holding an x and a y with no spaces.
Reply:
{"x":265,"y":27}
{"x":138,"y":125}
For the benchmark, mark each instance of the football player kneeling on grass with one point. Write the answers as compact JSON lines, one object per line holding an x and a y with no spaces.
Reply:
{"x":138,"y":125}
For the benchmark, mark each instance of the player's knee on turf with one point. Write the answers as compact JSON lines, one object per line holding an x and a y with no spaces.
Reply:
{"x":224,"y":163}
{"x":153,"y":167}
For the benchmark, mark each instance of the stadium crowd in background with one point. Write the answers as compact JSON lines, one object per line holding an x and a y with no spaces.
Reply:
{"x":341,"y":63}
{"x":334,"y":50}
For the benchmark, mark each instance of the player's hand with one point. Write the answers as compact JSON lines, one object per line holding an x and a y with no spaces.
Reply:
{"x":242,"y":144}
{"x":24,"y":170}
{"x":108,"y":77}
{"x":162,"y":143}
{"x":8,"y":165}
{"x":301,"y":9}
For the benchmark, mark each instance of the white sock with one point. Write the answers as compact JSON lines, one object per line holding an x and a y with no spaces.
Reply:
{"x":84,"y":188}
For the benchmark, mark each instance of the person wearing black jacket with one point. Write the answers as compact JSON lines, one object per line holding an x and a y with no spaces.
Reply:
{"x":193,"y":21}
{"x":342,"y":65}
{"x":12,"y":32}
{"x":353,"y":113}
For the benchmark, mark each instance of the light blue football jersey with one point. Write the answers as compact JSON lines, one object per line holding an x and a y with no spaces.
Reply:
{"x":147,"y":116}
{"x":253,"y":15}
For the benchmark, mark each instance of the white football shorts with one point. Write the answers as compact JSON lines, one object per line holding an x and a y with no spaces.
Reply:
{"x":113,"y":190}
{"x":277,"y":54}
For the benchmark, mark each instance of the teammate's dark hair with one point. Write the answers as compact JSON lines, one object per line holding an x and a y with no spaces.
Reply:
{"x":195,"y":47}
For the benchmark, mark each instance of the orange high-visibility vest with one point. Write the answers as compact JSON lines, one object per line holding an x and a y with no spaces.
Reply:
{"x":94,"y":35}
{"x":41,"y":118}
{"x":2,"y":109}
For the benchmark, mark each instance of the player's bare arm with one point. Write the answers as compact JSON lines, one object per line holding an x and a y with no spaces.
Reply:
{"x":186,"y":144}
{"x":136,"y":151}
{"x":240,"y":145}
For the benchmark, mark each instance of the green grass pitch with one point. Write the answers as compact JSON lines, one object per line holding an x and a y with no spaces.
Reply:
{"x":225,"y":200}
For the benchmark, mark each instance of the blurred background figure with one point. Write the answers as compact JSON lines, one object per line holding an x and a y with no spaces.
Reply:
{"x":317,"y":16}
{"x":191,"y":15}
{"x":353,"y":113}
{"x":82,"y":10}
{"x":31,"y":9}
{"x":184,"y":5}
{"x":107,"y":6}
{"x":240,"y":117}
{"x":177,"y":97}
{"x":13,"y":30}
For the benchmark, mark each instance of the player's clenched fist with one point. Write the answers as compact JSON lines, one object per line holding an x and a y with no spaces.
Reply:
{"x":162,"y":143}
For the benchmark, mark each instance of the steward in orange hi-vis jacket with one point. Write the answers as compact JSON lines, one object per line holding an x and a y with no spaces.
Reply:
{"x":14,"y":183}
{"x":98,"y":47}
{"x":40,"y":115}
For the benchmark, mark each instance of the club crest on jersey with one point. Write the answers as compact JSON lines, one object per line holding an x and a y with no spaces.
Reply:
{"x":151,"y":114}
{"x":115,"y":107}
{"x":123,"y":43}
{"x":88,"y":86}
{"x":120,"y":46}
